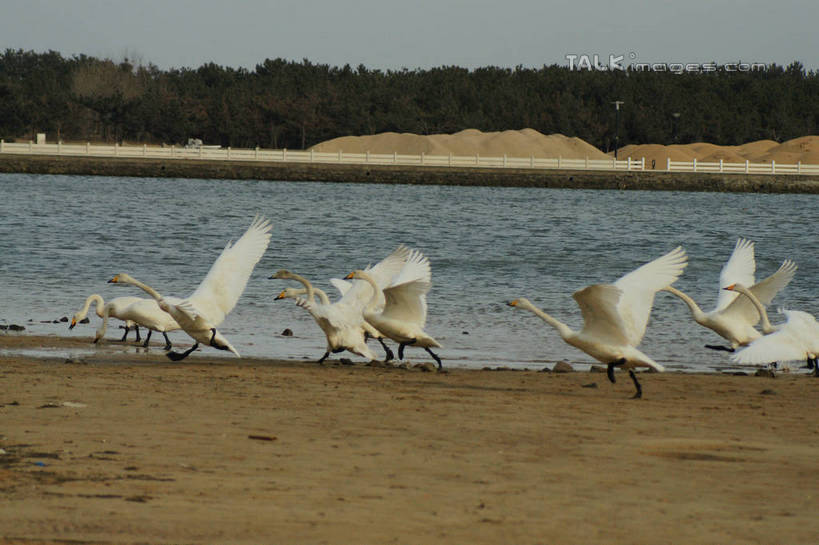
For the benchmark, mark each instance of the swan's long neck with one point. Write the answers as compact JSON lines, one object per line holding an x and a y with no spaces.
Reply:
{"x":94,"y":298}
{"x":311,"y":291}
{"x":145,"y":287}
{"x":564,"y":330}
{"x":104,"y":327}
{"x":767,"y":328}
{"x":377,"y":293}
{"x":696,"y":311}
{"x":322,"y":295}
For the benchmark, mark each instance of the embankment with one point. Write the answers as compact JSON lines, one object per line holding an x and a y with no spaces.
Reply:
{"x":242,"y":170}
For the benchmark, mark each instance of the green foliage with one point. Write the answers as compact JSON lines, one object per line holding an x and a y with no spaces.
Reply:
{"x":285,"y":104}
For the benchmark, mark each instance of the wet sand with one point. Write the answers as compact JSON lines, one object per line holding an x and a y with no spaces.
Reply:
{"x":131,"y":448}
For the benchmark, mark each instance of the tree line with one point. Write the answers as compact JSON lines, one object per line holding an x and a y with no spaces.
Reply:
{"x":286,"y":104}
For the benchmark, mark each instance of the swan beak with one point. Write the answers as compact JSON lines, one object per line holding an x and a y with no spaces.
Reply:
{"x":513,"y":303}
{"x":279,"y":296}
{"x":730,"y":288}
{"x":349,"y":276}
{"x":73,"y":323}
{"x":114,"y":280}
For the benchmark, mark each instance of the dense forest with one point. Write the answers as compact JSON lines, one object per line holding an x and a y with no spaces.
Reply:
{"x":284,"y":104}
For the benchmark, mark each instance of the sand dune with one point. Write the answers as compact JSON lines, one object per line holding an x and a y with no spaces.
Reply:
{"x":804,"y":149}
{"x":522,"y":143}
{"x":529,"y":142}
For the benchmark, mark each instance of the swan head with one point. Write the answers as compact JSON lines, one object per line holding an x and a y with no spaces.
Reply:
{"x":121,"y":278}
{"x":521,"y":302}
{"x":736,"y":287}
{"x":290,"y":293}
{"x":282,"y":274}
{"x":355,"y":275}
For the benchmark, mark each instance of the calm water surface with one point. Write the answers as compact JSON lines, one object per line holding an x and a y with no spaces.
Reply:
{"x":63,"y":237}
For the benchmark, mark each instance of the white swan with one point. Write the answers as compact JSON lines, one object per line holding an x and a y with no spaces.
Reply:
{"x":796,"y":339}
{"x":145,"y":312}
{"x":404,"y":300}
{"x":113,"y":307}
{"x":369,"y":331}
{"x":734,"y":317}
{"x":342,"y":321}
{"x":615,"y":315}
{"x":206,"y":308}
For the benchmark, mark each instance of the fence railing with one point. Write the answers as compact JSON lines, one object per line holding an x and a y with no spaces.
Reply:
{"x":215,"y":153}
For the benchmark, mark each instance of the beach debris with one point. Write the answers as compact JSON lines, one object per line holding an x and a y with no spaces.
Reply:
{"x":77,"y":361}
{"x":562,"y":367}
{"x":287,"y":332}
{"x":49,"y":406}
{"x":74,"y":404}
{"x":346,"y":361}
{"x":262,"y":437}
{"x":768,"y":373}
{"x":590,"y":385}
{"x":768,"y":392}
{"x":426,"y":367}
{"x":11,"y":327}
{"x":597,"y":369}
{"x":545,"y":370}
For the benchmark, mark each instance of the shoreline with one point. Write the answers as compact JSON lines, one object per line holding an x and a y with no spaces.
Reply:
{"x":421,"y":175}
{"x":224,"y":450}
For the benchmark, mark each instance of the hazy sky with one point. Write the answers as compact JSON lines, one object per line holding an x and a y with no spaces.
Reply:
{"x":417,"y":33}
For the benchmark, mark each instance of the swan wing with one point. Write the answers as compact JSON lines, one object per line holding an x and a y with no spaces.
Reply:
{"x":383,"y":273}
{"x":765,"y":290}
{"x":793,"y":341}
{"x":343,"y":286}
{"x":601,"y":318}
{"x":220,"y":290}
{"x":640,"y":286}
{"x":407,"y":302}
{"x":739,"y":269}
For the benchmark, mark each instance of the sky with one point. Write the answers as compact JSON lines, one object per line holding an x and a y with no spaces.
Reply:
{"x":385,"y":34}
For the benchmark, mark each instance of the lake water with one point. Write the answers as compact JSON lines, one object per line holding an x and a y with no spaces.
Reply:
{"x":63,"y":237}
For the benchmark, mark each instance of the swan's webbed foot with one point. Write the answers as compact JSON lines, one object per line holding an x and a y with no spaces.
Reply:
{"x":178,"y":356}
{"x":147,"y":339}
{"x":719,"y":347}
{"x":168,"y":344}
{"x":639,"y":393}
{"x":610,"y":369}
{"x":436,"y":358}
{"x":388,"y":355}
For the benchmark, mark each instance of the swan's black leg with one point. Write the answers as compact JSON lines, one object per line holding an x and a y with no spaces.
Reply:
{"x":611,"y":366}
{"x":718,"y":347}
{"x":177,"y":356}
{"x":168,"y":344}
{"x":324,"y":357}
{"x":122,"y":340}
{"x":147,"y":339}
{"x":431,"y":353}
{"x":401,"y":348}
{"x":639,"y":393}
{"x":388,"y":355}
{"x":139,"y":337}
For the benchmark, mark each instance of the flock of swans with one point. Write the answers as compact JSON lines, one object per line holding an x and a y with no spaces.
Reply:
{"x":388,"y":300}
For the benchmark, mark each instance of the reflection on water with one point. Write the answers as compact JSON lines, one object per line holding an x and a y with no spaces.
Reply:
{"x":63,"y":237}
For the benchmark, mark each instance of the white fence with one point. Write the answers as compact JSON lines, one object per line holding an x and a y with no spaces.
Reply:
{"x":279,"y":156}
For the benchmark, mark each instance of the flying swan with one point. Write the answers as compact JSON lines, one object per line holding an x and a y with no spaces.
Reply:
{"x":206,"y":308}
{"x":615,"y":315}
{"x":342,"y":321}
{"x":734,"y":317}
{"x":796,"y":339}
{"x":404,"y":301}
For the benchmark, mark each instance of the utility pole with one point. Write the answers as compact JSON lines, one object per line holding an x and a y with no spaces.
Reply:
{"x":617,"y":104}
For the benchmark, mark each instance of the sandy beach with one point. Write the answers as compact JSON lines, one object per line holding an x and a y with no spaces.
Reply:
{"x":131,"y":448}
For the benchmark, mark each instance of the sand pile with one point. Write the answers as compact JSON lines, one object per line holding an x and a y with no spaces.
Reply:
{"x":804,"y":149}
{"x":522,"y":143}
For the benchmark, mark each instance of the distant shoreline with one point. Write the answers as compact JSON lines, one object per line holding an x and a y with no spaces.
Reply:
{"x":418,"y":175}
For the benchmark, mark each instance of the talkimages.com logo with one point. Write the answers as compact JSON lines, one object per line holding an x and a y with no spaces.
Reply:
{"x":629,"y":62}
